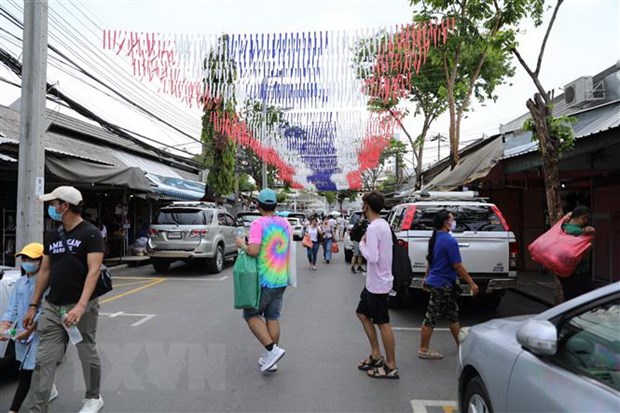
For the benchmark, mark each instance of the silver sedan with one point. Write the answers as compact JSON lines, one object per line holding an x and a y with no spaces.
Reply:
{"x":566,"y":359}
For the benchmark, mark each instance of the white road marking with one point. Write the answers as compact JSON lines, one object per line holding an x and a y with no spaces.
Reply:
{"x":197,"y":279}
{"x":145,"y":317}
{"x":419,"y":406}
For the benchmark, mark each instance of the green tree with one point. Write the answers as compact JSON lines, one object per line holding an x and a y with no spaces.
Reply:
{"x":218,"y":148}
{"x":423,"y":89}
{"x":554,"y":135}
{"x":343,"y":194}
{"x":474,"y":59}
{"x":330,"y":196}
{"x":270,"y":123}
{"x":245,"y":185}
{"x":396,"y":149}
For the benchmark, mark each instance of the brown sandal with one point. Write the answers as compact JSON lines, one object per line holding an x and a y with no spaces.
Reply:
{"x":370,"y":363}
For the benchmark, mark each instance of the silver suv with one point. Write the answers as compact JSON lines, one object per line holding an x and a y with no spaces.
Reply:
{"x":192,"y":230}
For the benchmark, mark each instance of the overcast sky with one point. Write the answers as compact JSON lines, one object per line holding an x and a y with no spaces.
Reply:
{"x":585,"y":39}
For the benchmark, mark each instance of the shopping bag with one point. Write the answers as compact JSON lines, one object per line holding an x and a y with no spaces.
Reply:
{"x":292,"y":264}
{"x":558,"y":251}
{"x":307,"y":241}
{"x":246,"y":282}
{"x":335,"y":248}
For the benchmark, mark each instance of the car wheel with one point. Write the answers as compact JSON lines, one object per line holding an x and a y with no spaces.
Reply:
{"x":348,"y":255}
{"x":160,"y":264}
{"x":491,"y":300}
{"x":216,"y":264}
{"x":476,"y":397}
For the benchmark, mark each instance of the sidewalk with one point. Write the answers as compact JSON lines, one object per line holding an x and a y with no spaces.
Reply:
{"x":536,"y":286}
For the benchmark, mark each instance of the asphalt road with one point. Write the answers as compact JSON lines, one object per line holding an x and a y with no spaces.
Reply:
{"x":173,"y":343}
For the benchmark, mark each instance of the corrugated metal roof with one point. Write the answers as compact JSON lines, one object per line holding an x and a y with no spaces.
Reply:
{"x":7,"y":158}
{"x":588,"y":123}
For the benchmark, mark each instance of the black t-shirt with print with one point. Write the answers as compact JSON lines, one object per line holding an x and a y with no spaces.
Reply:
{"x":68,"y":271}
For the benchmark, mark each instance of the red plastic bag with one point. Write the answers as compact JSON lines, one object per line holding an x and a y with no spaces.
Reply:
{"x":335,"y":249}
{"x":558,"y":251}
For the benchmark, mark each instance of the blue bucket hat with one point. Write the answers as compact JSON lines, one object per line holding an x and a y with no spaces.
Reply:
{"x":267,"y":197}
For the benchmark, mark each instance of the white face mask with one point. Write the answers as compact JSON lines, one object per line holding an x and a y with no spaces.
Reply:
{"x":453,"y":226}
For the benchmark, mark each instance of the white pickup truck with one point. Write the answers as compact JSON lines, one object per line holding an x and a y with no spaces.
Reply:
{"x":488,"y":248}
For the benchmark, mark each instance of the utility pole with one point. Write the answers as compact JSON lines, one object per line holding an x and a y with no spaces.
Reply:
{"x":264,"y":166}
{"x":31,"y":178}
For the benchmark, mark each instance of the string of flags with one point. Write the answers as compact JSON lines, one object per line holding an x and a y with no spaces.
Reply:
{"x":317,"y":83}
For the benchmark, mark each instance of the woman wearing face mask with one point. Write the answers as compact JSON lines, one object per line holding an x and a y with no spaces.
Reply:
{"x":444,"y":264}
{"x":26,"y":340}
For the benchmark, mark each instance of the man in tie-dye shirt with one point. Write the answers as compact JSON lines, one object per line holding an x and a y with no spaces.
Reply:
{"x":269,"y":241}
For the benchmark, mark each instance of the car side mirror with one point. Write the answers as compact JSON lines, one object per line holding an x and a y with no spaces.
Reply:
{"x":538,"y":336}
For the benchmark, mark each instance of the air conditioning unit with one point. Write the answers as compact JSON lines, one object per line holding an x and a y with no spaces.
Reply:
{"x":579,"y":91}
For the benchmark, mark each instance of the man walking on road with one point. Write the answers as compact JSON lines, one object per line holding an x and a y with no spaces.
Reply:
{"x":376,"y":247}
{"x":269,"y":241}
{"x":72,"y":277}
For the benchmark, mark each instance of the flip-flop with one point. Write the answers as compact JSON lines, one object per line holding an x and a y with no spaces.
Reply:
{"x":384,"y":372}
{"x":429,"y":355}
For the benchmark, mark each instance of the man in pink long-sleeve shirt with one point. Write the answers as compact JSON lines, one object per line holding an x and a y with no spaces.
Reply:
{"x":376,"y":247}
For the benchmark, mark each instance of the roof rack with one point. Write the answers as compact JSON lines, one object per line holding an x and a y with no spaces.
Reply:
{"x":425,"y":195}
{"x":194,"y":204}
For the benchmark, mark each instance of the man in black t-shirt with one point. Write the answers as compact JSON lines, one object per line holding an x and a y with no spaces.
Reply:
{"x":71,"y":277}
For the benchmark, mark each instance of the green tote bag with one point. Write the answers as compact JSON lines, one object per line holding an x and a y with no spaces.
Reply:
{"x":247,"y":284}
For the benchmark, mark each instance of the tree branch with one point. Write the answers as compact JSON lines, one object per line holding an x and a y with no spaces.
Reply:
{"x":544,"y":43}
{"x":533,"y":75}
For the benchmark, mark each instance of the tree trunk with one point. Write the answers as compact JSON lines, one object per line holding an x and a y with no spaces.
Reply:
{"x":550,"y":153}
{"x":420,"y":149}
{"x":454,"y":140}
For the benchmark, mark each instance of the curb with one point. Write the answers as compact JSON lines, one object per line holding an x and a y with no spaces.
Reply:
{"x":533,"y":297}
{"x":118,"y":267}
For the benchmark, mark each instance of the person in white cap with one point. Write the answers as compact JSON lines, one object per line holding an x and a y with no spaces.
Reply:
{"x":71,"y":277}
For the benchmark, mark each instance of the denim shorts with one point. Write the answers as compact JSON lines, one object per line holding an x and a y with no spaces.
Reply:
{"x":269,"y":306}
{"x":356,"y":249}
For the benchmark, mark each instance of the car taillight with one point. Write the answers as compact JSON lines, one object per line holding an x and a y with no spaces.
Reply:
{"x":513,"y":248}
{"x":152,"y":233}
{"x":408,"y":220}
{"x":501,"y":217}
{"x":198,"y":233}
{"x":403,"y":243}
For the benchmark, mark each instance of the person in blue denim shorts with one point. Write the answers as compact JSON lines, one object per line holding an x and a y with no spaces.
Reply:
{"x":269,"y":241}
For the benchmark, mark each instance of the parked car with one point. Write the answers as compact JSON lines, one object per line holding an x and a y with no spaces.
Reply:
{"x":348,"y":244}
{"x":246,"y":218}
{"x":8,"y":278}
{"x":297,"y":228}
{"x":566,"y":359}
{"x":488,"y":248}
{"x":189,"y":231}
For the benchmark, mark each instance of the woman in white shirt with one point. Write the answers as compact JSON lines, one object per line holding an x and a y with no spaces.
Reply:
{"x":315,"y":233}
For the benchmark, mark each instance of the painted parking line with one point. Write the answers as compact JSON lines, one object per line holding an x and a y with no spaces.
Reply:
{"x":131,"y":283}
{"x":171,"y":278}
{"x":441,"y":329}
{"x":154,"y":282}
{"x":431,"y":406}
{"x":143,"y":317}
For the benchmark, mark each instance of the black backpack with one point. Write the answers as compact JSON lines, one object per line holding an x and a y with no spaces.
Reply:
{"x":401,"y":267}
{"x":358,"y":230}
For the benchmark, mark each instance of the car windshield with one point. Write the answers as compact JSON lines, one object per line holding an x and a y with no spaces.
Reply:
{"x":248,"y":218}
{"x":183,"y":216}
{"x":468,"y":217}
{"x":293,"y":221}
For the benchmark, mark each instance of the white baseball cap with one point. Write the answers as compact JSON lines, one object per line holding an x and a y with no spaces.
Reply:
{"x":64,"y":193}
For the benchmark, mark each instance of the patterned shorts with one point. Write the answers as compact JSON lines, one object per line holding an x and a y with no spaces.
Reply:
{"x":441,"y":304}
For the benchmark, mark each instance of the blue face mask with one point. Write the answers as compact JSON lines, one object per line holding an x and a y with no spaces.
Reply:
{"x":30,"y":267}
{"x":53,"y":213}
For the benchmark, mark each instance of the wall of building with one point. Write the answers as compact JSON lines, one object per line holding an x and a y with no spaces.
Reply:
{"x":606,"y":220}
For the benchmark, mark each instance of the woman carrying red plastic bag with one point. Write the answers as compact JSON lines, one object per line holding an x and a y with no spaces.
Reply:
{"x":564,"y":250}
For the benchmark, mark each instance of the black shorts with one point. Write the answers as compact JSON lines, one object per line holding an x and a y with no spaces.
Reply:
{"x":374,"y":306}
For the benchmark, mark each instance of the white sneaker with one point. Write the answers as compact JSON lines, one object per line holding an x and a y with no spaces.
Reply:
{"x":261,"y":361}
{"x":272,"y":357}
{"x":53,"y":393}
{"x":91,"y":405}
